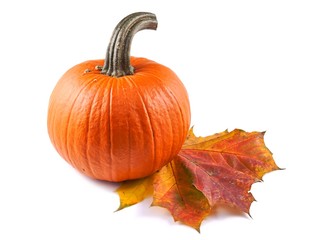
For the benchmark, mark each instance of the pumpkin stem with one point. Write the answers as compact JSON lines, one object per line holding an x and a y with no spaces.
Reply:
{"x":117,"y":61}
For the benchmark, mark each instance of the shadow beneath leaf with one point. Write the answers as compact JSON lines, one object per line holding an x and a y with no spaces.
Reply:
{"x":224,"y":212}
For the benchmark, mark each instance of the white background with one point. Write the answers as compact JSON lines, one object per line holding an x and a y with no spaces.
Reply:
{"x":253,"y":65}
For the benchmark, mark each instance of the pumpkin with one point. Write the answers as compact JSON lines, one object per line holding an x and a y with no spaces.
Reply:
{"x":122,"y":117}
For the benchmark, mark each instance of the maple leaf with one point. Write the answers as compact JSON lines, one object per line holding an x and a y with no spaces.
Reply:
{"x":173,"y":189}
{"x":208,"y":172}
{"x":243,"y":151}
{"x":134,"y":191}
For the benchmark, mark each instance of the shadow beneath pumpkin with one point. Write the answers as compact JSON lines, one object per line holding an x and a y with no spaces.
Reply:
{"x":109,"y":186}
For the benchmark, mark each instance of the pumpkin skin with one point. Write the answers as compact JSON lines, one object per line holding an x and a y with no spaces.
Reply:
{"x":118,"y":128}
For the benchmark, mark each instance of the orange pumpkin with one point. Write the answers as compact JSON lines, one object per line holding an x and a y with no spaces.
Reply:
{"x":120,"y":118}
